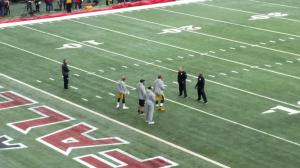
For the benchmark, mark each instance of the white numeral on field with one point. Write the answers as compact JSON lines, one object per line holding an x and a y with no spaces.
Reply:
{"x":76,"y":45}
{"x":268,"y":16}
{"x":180,"y":29}
{"x":282,"y":109}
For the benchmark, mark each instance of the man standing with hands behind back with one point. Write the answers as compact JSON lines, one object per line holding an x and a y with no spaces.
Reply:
{"x":65,"y":72}
{"x":181,"y":78}
{"x":200,"y":88}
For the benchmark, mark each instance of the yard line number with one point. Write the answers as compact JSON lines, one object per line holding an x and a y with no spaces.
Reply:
{"x":180,"y":29}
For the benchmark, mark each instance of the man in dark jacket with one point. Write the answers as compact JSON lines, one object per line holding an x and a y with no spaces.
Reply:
{"x":181,"y":78}
{"x":1,"y":8}
{"x":200,"y":88}
{"x":65,"y":72}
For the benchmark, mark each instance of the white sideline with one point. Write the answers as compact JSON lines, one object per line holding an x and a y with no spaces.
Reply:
{"x":119,"y":123}
{"x":175,"y":102}
{"x":148,"y":63}
{"x":213,"y":36}
{"x":100,"y":13}
{"x":169,"y":45}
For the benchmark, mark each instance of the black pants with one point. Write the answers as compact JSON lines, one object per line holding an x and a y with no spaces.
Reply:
{"x":37,"y":7}
{"x":69,"y":7}
{"x":66,"y":81}
{"x":182,"y":88}
{"x":201,"y":93}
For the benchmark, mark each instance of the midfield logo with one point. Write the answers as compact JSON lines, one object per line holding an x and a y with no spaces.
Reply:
{"x":75,"y":137}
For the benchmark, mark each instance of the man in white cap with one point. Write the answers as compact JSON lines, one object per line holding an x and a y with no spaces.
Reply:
{"x":122,"y":91}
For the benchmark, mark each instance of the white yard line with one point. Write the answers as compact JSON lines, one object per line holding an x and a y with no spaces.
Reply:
{"x":249,"y":12}
{"x":99,"y":97}
{"x":55,"y":61}
{"x":276,"y":4}
{"x":178,"y":103}
{"x":151,"y":136}
{"x":119,"y":123}
{"x":213,"y":36}
{"x":231,"y":23}
{"x":169,"y":45}
{"x":73,"y":87}
{"x":169,"y":69}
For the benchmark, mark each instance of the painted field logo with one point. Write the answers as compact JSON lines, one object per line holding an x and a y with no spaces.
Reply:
{"x":6,"y":145}
{"x":180,"y":29}
{"x":268,"y":16}
{"x":123,"y":160}
{"x":70,"y":138}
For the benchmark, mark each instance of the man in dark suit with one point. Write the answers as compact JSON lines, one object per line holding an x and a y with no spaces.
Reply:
{"x":65,"y":72}
{"x":181,"y":78}
{"x":200,"y":88}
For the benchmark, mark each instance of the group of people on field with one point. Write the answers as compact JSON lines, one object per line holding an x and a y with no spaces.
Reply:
{"x":151,"y":98}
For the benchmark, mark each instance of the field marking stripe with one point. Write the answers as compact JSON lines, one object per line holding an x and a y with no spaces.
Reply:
{"x":231,"y":23}
{"x":217,"y":37}
{"x":190,"y":107}
{"x":83,"y":15}
{"x":243,"y":11}
{"x":119,"y":123}
{"x":169,"y":45}
{"x":38,"y":55}
{"x":275,"y":4}
{"x":128,"y":57}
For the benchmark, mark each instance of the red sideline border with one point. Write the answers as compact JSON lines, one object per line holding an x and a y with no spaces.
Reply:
{"x":118,"y":6}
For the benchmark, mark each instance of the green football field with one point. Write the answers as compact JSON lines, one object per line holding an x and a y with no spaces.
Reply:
{"x":248,"y":51}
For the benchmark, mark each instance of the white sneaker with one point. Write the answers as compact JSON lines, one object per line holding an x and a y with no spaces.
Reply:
{"x":118,"y":106}
{"x":151,"y":122}
{"x":125,"y":107}
{"x":157,"y":105}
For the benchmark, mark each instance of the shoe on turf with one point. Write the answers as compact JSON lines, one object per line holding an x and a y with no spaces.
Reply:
{"x":151,"y":122}
{"x":125,"y":107}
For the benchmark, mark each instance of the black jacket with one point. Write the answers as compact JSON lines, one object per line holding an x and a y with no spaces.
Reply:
{"x":181,"y":76}
{"x":200,"y":84}
{"x":65,"y":70}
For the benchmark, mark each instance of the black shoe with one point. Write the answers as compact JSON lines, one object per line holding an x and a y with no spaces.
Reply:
{"x":185,"y":96}
{"x":198,"y":99}
{"x":205,"y":102}
{"x":179,"y":95}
